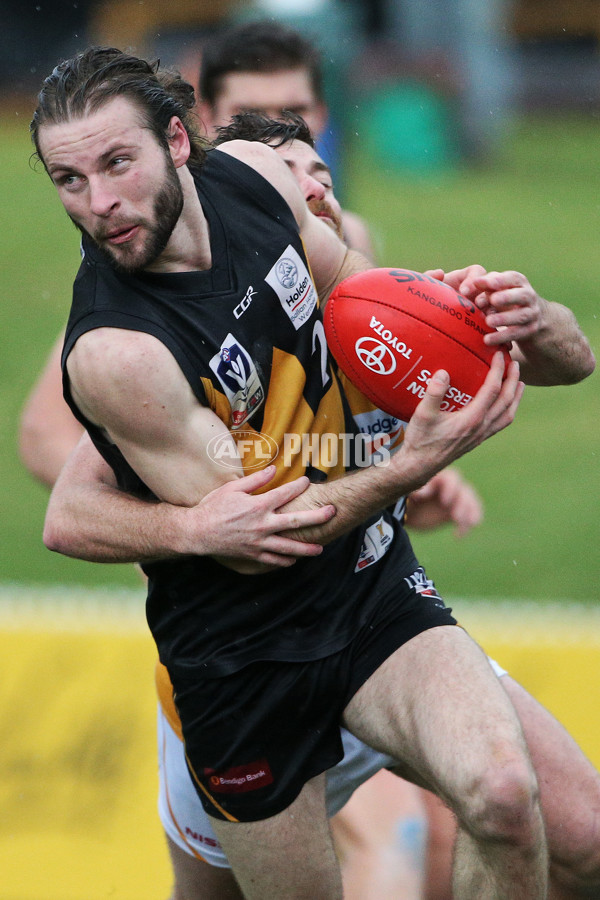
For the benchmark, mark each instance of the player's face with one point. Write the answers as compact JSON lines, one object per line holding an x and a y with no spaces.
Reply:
{"x":115,"y":181}
{"x":314,"y":178}
{"x":269,"y":93}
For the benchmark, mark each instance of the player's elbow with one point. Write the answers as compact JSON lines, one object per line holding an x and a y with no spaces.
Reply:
{"x":589,"y":364}
{"x":579,"y":371}
{"x":57,"y":536}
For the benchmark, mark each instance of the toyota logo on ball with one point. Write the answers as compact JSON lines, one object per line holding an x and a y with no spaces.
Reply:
{"x":375,"y":356}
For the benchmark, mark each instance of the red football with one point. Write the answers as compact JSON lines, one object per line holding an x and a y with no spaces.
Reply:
{"x":390,"y":329}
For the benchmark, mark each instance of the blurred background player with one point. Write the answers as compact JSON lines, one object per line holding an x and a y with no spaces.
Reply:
{"x":268,"y":67}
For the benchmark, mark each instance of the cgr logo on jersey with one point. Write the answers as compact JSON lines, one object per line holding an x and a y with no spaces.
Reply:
{"x":243,"y":305}
{"x":291,"y":281}
{"x":376,"y":543}
{"x":237,"y":374}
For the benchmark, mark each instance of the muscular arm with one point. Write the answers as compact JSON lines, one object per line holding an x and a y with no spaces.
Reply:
{"x":90,"y":518}
{"x":129,"y":384}
{"x":48,"y":430}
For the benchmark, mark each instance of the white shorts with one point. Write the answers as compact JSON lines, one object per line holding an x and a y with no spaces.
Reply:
{"x":182,"y":814}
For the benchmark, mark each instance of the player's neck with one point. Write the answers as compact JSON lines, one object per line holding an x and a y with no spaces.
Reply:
{"x":188,"y":249}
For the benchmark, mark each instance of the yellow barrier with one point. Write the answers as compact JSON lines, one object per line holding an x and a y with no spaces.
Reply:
{"x":78,"y":780}
{"x":78,"y":750}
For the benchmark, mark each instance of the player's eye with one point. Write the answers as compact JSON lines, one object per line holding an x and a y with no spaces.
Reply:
{"x":69,"y":181}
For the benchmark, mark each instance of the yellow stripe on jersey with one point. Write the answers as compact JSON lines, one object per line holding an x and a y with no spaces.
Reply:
{"x":303,"y":436}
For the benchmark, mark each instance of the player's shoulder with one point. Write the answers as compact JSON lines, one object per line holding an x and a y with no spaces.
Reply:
{"x":268,"y":163}
{"x":118,"y":355}
{"x":248,"y":150}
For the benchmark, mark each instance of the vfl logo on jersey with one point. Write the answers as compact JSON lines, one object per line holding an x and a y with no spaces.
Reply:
{"x":376,"y":543}
{"x":243,"y":305}
{"x":237,"y":374}
{"x":291,"y":281}
{"x":423,"y":585}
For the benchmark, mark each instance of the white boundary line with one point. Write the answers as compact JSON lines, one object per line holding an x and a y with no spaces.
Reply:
{"x":65,"y":608}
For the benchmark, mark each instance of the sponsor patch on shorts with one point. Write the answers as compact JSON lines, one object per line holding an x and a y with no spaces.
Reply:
{"x":240,"y":779}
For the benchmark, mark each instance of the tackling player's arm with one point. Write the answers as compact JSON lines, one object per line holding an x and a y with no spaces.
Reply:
{"x":330,"y":259}
{"x":128,"y":384}
{"x":48,"y":430}
{"x":90,"y":518}
{"x":546,"y":338}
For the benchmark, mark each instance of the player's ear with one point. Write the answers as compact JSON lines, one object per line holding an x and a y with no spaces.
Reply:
{"x":179,"y":142}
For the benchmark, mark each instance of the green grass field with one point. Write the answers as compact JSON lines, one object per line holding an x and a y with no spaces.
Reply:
{"x":537,"y":210}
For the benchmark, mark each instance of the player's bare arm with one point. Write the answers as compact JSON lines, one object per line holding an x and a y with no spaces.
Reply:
{"x":48,"y":430}
{"x":546,"y":338}
{"x":433,"y":440}
{"x":89,"y":518}
{"x":145,"y":405}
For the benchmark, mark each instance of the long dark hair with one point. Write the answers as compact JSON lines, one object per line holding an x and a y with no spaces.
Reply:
{"x":84,"y":83}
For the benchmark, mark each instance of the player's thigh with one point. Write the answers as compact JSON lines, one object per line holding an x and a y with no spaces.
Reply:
{"x":288,"y":855}
{"x":569,"y":784}
{"x":439,"y":708}
{"x":195,"y":879}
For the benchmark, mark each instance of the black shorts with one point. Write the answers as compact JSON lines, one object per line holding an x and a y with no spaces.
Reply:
{"x":254,"y":738}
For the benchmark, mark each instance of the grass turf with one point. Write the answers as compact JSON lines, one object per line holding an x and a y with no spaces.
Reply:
{"x":534,"y":210}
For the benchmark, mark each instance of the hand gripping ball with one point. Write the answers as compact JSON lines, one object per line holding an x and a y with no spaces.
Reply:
{"x":389,"y":330}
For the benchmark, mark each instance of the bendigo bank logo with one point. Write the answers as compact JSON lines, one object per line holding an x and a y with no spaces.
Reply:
{"x":240,"y":779}
{"x":246,"y":449}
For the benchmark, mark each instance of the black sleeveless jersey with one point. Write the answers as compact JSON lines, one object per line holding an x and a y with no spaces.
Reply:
{"x":248,"y":335}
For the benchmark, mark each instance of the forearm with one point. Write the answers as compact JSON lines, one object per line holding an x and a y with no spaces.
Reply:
{"x":559,"y":353}
{"x":103,"y":524}
{"x":356,"y":497}
{"x":432,"y":441}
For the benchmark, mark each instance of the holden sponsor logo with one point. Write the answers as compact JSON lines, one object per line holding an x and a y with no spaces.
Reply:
{"x":375,"y":356}
{"x":291,"y":281}
{"x":287,"y":272}
{"x":251,"y":449}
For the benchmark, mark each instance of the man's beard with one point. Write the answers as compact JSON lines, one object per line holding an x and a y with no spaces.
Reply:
{"x":322,"y":206}
{"x":168,"y":205}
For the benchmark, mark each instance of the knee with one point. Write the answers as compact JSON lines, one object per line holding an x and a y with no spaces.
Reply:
{"x":502,"y":803}
{"x":575,"y":870}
